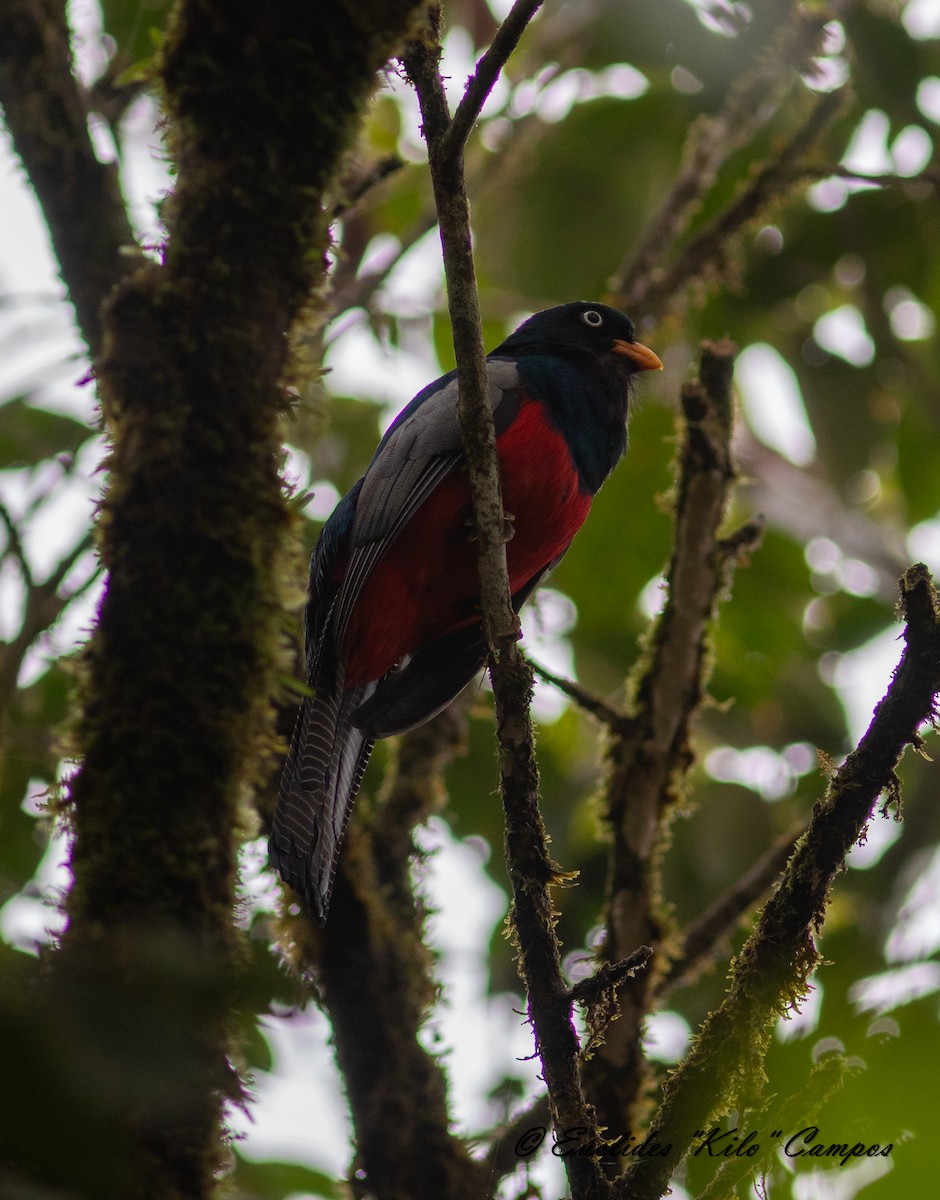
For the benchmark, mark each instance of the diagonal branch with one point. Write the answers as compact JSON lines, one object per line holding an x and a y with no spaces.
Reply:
{"x":750,"y":104}
{"x":724,"y":1066}
{"x":14,"y":547}
{"x":44,"y":605}
{"x":702,"y":936}
{"x":824,"y":1081}
{"x":708,"y":253}
{"x":487,"y":71}
{"x":615,"y":720}
{"x":48,"y":120}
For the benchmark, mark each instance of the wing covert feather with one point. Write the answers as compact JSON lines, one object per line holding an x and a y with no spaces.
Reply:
{"x":420,"y":449}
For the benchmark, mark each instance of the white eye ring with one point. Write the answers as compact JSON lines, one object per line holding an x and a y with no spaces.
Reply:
{"x":593,"y":318}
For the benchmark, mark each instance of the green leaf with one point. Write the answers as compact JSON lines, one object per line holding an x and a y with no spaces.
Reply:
{"x":276,"y":1180}
{"x":136,"y":26}
{"x":29,"y":434}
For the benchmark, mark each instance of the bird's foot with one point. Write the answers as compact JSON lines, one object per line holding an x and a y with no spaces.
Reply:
{"x":508,"y":531}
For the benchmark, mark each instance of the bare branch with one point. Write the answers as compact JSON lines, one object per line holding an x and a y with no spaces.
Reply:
{"x":487,"y":71}
{"x":530,"y":867}
{"x":14,"y":547}
{"x":377,"y":173}
{"x":43,"y":607}
{"x":707,"y":254}
{"x":930,"y":175}
{"x":513,"y":1141}
{"x":351,"y":290}
{"x":612,"y":717}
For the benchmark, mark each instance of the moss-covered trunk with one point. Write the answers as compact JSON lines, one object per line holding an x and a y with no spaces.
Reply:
{"x":194,"y":531}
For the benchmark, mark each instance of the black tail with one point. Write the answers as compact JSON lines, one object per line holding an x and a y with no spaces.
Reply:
{"x":423,"y":685}
{"x":321,"y":777}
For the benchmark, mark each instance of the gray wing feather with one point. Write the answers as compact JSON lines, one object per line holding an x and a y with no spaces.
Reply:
{"x":417,"y":455}
{"x":410,"y":462}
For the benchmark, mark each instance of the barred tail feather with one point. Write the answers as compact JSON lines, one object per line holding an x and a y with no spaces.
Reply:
{"x":321,"y":778}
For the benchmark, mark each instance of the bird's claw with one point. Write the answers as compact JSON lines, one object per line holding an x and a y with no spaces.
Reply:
{"x":508,"y":532}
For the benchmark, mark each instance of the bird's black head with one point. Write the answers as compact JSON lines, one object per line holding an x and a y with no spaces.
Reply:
{"x":582,"y":331}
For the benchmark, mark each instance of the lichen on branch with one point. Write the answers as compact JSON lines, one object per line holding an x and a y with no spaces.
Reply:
{"x":724,"y":1068}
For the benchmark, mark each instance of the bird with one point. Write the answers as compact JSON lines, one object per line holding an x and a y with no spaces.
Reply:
{"x":392,"y":621}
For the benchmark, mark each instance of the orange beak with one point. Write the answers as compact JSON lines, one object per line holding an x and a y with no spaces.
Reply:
{"x":643,"y":358}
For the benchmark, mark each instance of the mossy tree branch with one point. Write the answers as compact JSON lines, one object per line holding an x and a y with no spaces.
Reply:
{"x":724,"y":1068}
{"x":826,"y":1079}
{"x":649,"y":755}
{"x":195,"y":533}
{"x":751,"y":102}
{"x":47,"y":117}
{"x":706,"y":257}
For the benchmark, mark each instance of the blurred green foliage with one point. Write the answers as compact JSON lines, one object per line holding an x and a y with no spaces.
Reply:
{"x":558,"y":203}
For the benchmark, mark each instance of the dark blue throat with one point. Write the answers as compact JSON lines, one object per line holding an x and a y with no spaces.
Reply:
{"x":588,"y":407}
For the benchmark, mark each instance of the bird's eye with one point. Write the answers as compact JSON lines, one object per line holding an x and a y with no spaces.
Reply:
{"x":593,"y":318}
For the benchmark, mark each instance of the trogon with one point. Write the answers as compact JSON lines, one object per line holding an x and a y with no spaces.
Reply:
{"x":393,"y":628}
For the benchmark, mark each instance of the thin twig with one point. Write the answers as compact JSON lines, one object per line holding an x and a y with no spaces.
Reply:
{"x":608,"y":977}
{"x":702,"y":936}
{"x":377,"y":173}
{"x":517,"y":1139}
{"x":14,"y":547}
{"x":487,"y":71}
{"x":886,"y":179}
{"x":354,"y":290}
{"x":707,"y":254}
{"x":613,"y":718}
{"x":43,"y":607}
